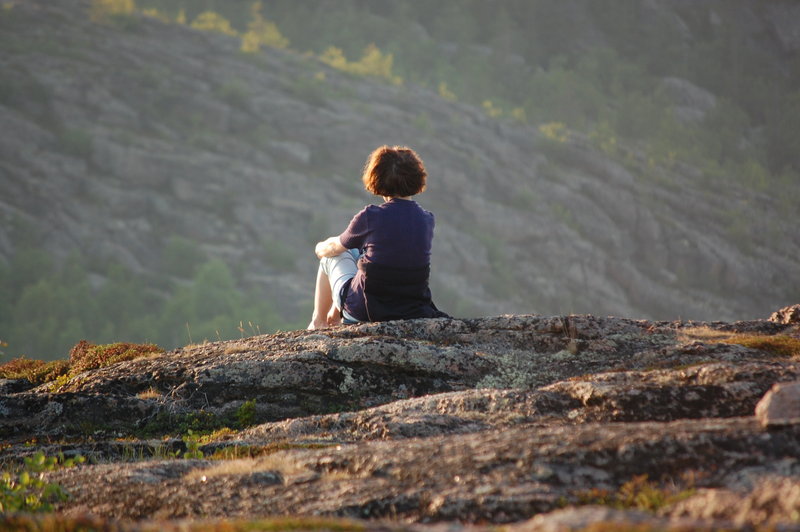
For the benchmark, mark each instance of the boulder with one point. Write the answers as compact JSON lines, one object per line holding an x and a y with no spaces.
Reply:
{"x":787,"y":315}
{"x":691,"y":103}
{"x":780,"y":405}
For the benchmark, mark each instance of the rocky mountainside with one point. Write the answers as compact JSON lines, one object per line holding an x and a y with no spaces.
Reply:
{"x":119,"y":134}
{"x":546,"y":423}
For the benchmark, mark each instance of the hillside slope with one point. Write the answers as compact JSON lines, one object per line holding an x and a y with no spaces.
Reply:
{"x":120,"y":135}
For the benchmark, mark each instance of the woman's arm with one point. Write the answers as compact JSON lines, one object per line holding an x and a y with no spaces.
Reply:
{"x":329,"y":248}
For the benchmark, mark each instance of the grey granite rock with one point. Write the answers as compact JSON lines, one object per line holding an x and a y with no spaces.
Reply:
{"x":780,"y":405}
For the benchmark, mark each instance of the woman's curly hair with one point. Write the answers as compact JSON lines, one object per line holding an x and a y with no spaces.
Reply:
{"x":394,"y":171}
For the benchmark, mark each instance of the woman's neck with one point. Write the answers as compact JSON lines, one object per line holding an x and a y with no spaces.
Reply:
{"x":390,"y":198}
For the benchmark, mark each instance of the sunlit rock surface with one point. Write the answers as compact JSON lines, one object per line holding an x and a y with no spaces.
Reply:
{"x":520,"y":419}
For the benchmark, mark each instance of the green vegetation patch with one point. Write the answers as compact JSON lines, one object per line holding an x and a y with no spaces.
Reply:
{"x":203,"y":426}
{"x":246,"y":414}
{"x":201,"y":422}
{"x":638,"y":493}
{"x":23,"y":489}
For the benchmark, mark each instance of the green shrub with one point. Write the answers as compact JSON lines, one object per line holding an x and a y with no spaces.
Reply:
{"x":192,"y":442}
{"x":373,"y":62}
{"x":211,"y":21}
{"x":261,"y":32}
{"x":103,"y":10}
{"x":246,"y":414}
{"x":24,"y":489}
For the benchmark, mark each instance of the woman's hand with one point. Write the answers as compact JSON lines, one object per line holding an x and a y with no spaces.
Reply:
{"x":334,"y":317}
{"x":329,"y":248}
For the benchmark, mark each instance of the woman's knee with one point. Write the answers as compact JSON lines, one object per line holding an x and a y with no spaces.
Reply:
{"x":328,"y":264}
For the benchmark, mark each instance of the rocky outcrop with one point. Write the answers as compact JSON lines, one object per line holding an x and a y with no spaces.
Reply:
{"x":607,"y":368}
{"x":519,"y":419}
{"x":690,"y":102}
{"x":787,"y":316}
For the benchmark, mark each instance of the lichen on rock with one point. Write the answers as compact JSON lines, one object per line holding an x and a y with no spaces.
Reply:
{"x":500,"y":419}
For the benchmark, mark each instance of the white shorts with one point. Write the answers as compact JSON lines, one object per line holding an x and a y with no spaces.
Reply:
{"x":339,"y":270}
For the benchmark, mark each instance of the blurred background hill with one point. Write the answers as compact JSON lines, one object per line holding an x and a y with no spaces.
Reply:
{"x":166,"y":166}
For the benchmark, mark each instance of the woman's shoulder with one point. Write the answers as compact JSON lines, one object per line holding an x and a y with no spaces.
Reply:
{"x":417,"y":209}
{"x":368,"y":209}
{"x":406,"y":208}
{"x":424,"y":211}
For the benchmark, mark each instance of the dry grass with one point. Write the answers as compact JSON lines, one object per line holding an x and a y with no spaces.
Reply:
{"x":702,"y":334}
{"x":620,"y":526}
{"x":237,"y":348}
{"x":85,"y":356}
{"x":777,"y":345}
{"x":35,"y":371}
{"x":225,"y":433}
{"x":236,"y":451}
{"x":60,"y":523}
{"x":282,"y":464}
{"x":150,"y":393}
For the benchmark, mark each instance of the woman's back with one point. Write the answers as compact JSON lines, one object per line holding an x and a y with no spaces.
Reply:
{"x":397,"y":233}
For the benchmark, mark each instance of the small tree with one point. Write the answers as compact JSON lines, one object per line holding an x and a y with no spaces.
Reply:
{"x":211,"y":21}
{"x":102,"y":9}
{"x":261,"y":31}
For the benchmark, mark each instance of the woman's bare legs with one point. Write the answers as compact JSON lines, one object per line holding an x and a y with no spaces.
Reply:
{"x":333,"y":272}
{"x":325,"y":313}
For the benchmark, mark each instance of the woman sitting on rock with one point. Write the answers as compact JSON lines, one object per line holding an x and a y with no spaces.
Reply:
{"x":378,"y":268}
